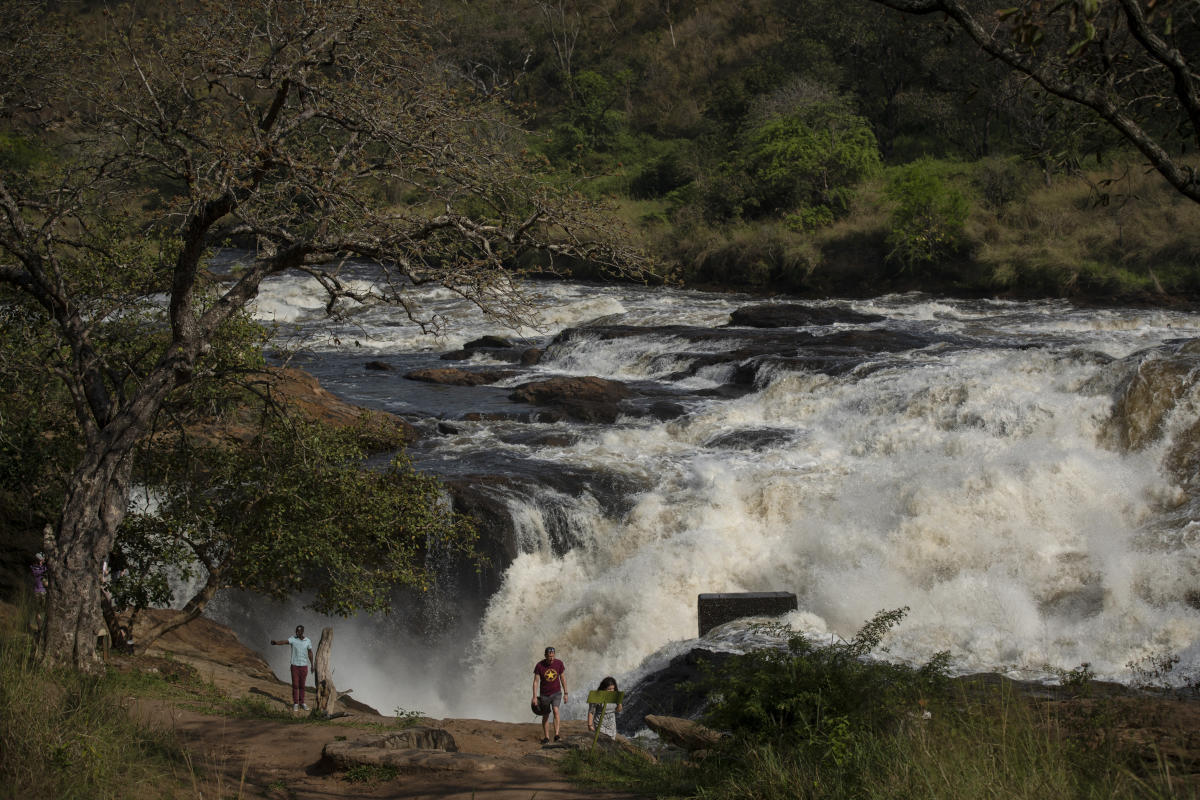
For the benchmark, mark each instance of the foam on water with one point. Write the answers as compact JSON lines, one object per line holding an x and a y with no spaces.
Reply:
{"x":972,"y":486}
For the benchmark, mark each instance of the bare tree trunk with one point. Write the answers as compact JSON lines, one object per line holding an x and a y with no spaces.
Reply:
{"x":93,"y":510}
{"x":96,"y":505}
{"x":323,"y":673}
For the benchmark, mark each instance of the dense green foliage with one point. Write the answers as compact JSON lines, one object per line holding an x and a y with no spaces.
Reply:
{"x":709,"y":124}
{"x":830,"y":721}
{"x":928,"y":216}
{"x":289,"y":509}
{"x":808,"y":161}
{"x":821,"y":696}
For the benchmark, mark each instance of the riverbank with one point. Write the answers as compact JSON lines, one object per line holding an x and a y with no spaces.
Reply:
{"x":220,"y":725}
{"x":201,"y":715}
{"x":1106,"y":236}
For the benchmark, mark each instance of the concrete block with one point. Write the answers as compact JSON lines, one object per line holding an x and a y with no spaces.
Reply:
{"x":717,"y":609}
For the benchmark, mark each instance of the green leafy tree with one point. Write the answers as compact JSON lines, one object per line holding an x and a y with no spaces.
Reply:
{"x":809,"y":159}
{"x":928,"y":216}
{"x":286,"y":510}
{"x":592,"y":105}
{"x":282,"y":123}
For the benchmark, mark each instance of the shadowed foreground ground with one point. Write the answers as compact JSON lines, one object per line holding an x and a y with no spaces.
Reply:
{"x":275,"y":758}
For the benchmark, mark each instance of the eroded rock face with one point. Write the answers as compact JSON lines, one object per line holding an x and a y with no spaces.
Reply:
{"x":792,"y":315}
{"x":665,"y":692}
{"x":304,"y":392}
{"x":1156,"y":382}
{"x":203,"y":638}
{"x":419,"y":749}
{"x":1183,"y":460}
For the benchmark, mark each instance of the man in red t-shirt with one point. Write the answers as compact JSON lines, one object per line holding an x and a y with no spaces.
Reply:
{"x":549,"y":690}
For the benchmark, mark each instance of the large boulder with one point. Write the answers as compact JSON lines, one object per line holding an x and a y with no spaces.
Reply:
{"x":496,"y":347}
{"x":488,"y":342}
{"x":586,"y":399}
{"x":201,"y":638}
{"x":451,"y":376}
{"x":794,"y":315}
{"x":670,"y":691}
{"x":1154,"y":383}
{"x":688,"y":734}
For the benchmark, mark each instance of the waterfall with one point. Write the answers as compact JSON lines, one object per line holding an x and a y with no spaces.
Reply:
{"x":955,"y":457}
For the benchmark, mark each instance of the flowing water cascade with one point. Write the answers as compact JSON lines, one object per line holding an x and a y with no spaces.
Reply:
{"x":1020,"y":475}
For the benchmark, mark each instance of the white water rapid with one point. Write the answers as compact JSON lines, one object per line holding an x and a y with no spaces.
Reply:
{"x":967,"y":479}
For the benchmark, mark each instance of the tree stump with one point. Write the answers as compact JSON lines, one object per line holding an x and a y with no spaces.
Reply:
{"x":323,"y":674}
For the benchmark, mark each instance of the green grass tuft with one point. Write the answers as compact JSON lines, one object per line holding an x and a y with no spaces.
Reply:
{"x":67,"y":735}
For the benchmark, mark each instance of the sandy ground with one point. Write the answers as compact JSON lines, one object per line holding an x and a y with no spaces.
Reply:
{"x":257,"y":758}
{"x":276,"y":759}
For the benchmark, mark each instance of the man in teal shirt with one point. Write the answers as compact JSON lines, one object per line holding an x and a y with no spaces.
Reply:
{"x":302,"y":657}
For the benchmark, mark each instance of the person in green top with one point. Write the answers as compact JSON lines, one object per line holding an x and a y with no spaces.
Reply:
{"x":302,"y":657}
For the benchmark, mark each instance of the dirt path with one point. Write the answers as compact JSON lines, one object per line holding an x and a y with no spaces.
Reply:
{"x":265,"y":758}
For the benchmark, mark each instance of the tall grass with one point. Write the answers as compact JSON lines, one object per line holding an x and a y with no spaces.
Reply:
{"x":1008,"y":747}
{"x":66,"y":735}
{"x":824,"y":721}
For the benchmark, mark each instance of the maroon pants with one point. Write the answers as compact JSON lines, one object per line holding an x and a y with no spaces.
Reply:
{"x":299,"y":678}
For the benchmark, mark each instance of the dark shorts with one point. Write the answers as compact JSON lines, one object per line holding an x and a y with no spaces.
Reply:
{"x":550,"y":700}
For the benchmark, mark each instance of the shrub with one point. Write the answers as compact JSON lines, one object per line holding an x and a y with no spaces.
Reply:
{"x":760,"y":256}
{"x":821,"y":698}
{"x":927,"y":222}
{"x":1001,"y":181}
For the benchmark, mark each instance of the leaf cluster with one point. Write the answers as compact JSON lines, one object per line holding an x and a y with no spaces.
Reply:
{"x":820,"y":696}
{"x":927,"y":218}
{"x":810,"y":159}
{"x":291,"y":510}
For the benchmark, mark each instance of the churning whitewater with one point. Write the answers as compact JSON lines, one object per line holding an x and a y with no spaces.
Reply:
{"x":967,"y":474}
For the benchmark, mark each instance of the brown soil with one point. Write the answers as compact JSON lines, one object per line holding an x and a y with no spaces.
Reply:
{"x":283,"y":760}
{"x":266,"y":758}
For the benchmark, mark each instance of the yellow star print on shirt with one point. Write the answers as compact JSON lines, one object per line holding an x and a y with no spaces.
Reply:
{"x":549,"y":675}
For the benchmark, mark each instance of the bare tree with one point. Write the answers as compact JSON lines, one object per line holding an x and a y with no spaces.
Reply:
{"x":1132,"y":62}
{"x":564,"y":24}
{"x":283,"y":124}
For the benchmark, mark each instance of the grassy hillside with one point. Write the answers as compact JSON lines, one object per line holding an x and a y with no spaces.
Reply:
{"x":759,"y":146}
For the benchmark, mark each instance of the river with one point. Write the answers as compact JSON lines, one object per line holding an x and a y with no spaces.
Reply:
{"x":953,"y":457}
